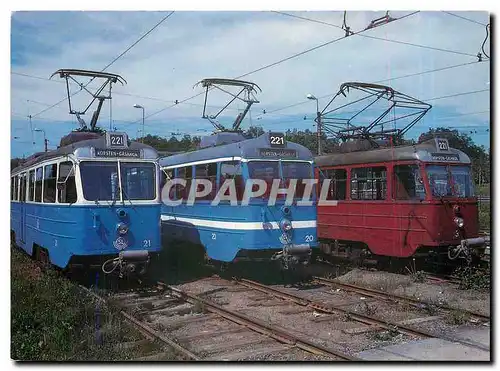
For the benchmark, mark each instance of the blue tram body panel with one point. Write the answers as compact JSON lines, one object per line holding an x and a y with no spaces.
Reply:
{"x":226,"y":230}
{"x":102,"y":219}
{"x":67,"y":231}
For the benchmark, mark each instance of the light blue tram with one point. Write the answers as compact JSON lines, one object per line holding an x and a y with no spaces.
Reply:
{"x":256,"y":231}
{"x":94,"y":202}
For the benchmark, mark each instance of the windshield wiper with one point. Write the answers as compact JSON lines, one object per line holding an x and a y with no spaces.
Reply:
{"x":128,"y":199}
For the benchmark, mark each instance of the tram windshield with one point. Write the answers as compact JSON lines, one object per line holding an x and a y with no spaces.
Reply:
{"x":450,"y":181}
{"x":100,"y":181}
{"x":270,"y":170}
{"x":138,"y":180}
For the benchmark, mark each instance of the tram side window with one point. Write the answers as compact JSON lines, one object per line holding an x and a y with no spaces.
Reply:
{"x":22,"y":187}
{"x":208,"y":172}
{"x":408,"y":184}
{"x":183,"y":173}
{"x":369,"y":183}
{"x":49,"y":183}
{"x":16,"y":188}
{"x":66,"y":183}
{"x":231,"y":171}
{"x":31,"y":186}
{"x":338,"y":184}
{"x":38,"y":184}
{"x":12,"y":192}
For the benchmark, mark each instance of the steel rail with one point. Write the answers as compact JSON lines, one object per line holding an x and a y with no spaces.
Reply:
{"x":367,"y":320}
{"x":355,"y":316}
{"x":442,"y":278}
{"x":145,"y":329}
{"x":374,"y":293}
{"x":256,"y":325}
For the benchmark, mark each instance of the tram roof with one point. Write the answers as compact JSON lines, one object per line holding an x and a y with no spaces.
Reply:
{"x":82,"y":149}
{"x":426,"y":151}
{"x":248,"y":149}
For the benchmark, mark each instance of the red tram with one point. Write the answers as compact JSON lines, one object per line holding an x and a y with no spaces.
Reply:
{"x":400,"y":202}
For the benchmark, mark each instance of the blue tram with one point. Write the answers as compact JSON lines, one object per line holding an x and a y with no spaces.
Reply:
{"x":92,"y":202}
{"x":237,"y":227}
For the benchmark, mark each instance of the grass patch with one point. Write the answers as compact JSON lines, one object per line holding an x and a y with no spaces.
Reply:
{"x":384,"y":335}
{"x":483,"y":190}
{"x":473,"y":277}
{"x":457,"y":317}
{"x":484,"y":215}
{"x":51,"y":320}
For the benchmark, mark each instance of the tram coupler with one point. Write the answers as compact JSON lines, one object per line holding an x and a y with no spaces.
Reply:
{"x":467,"y":247}
{"x":292,"y":255}
{"x":129,"y":263}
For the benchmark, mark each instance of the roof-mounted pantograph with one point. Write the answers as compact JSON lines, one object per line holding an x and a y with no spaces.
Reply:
{"x":108,"y":80}
{"x":246,"y":94}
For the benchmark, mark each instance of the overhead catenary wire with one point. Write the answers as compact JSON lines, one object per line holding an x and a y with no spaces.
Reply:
{"x":376,"y":82}
{"x":112,"y":62}
{"x":298,"y":120}
{"x":360,"y":33}
{"x":484,"y":42}
{"x":118,"y":93}
{"x":464,"y":18}
{"x":271,"y":65}
{"x":424,"y":100}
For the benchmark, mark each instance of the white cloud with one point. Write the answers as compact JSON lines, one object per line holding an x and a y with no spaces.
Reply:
{"x":190,"y":46}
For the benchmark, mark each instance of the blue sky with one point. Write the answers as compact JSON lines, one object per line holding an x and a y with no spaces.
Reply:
{"x":190,"y":46}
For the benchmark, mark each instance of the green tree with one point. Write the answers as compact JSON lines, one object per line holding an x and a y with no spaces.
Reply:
{"x":253,"y":132}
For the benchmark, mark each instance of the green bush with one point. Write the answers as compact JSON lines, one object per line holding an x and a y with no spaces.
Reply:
{"x":484,"y":215}
{"x":51,"y":320}
{"x":473,"y":277}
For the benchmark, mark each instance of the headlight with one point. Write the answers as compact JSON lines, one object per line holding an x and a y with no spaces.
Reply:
{"x":459,"y":222}
{"x":122,"y":228}
{"x":286,"y":225}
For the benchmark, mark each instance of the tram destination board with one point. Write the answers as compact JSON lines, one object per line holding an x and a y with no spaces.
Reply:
{"x":277,"y":152}
{"x":445,"y":157}
{"x":112,"y":152}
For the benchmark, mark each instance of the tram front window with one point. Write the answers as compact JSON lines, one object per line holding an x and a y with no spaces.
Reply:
{"x":138,"y":180}
{"x":299,"y":171}
{"x":450,"y":181}
{"x":100,"y":181}
{"x":270,"y":170}
{"x":462,"y":181}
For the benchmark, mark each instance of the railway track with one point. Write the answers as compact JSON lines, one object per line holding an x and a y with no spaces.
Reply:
{"x":148,"y":332}
{"x":438,"y":278}
{"x":364,"y":319}
{"x":393,"y":297}
{"x":270,"y":338}
{"x":274,"y":332}
{"x":251,"y":336}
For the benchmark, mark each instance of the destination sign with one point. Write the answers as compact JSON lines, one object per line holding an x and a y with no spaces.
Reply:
{"x":277,"y":152}
{"x":444,"y":157}
{"x":277,"y":139}
{"x":107,"y":152}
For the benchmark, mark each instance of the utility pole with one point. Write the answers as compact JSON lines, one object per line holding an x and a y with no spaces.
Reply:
{"x":139,"y":106}
{"x":45,"y":141}
{"x":318,"y":121}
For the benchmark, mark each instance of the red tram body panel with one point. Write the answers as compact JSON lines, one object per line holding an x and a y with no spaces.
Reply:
{"x":400,"y":201}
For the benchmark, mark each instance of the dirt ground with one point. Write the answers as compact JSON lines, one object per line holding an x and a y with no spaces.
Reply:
{"x":438,"y":293}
